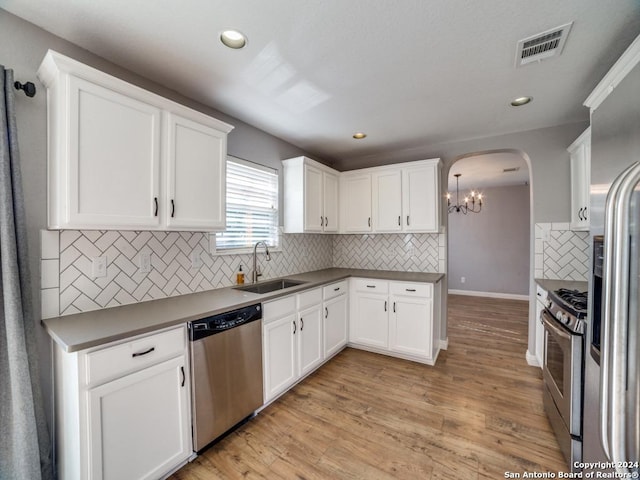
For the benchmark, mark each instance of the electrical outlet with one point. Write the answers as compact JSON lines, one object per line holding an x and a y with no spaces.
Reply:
{"x":99,"y":267}
{"x":196,"y":259}
{"x":463,"y":279}
{"x":145,"y":262}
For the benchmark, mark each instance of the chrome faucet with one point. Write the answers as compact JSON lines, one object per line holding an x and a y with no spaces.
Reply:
{"x":255,"y":273}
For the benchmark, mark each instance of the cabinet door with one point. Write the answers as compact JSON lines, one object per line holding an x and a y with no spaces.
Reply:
{"x":410,"y":326}
{"x":330,"y":197}
{"x":580,"y":152}
{"x":310,"y":351}
{"x":139,"y":425}
{"x":371,"y":323}
{"x":313,"y":214}
{"x":387,"y":201}
{"x":421,"y":199}
{"x":196,"y":176}
{"x":355,"y":194}
{"x":335,"y":325}
{"x":113,"y":172}
{"x":279,"y":349}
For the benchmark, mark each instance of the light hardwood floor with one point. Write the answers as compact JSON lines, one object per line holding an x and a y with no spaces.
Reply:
{"x":476,"y":415}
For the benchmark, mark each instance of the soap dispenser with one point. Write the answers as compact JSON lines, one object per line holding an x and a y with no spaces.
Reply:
{"x":240,"y":276}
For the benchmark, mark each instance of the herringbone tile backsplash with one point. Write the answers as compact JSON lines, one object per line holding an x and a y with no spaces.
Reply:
{"x":560,"y":253}
{"x":69,"y":286}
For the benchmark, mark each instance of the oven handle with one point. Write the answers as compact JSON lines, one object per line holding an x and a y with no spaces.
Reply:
{"x":613,"y":372}
{"x":550,"y":324}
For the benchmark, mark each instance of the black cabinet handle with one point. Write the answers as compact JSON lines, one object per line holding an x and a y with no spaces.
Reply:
{"x":321,"y":221}
{"x":410,"y":289}
{"x":584,"y":213}
{"x":580,"y":214}
{"x":394,"y":307}
{"x":369,"y":221}
{"x":139,"y":354}
{"x":173,"y":208}
{"x":295,"y":327}
{"x":385,"y":305}
{"x":326,"y":222}
{"x":398,"y":219}
{"x":336,"y":289}
{"x":407,"y":220}
{"x":155,"y":211}
{"x":183,"y":376}
{"x":301,"y":323}
{"x":326,"y":312}
{"x":371,"y":286}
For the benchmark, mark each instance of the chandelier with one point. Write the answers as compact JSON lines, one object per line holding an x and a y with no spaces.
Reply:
{"x":464,"y":208}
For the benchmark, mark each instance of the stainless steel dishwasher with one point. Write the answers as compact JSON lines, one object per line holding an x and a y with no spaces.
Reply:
{"x":226,"y":371}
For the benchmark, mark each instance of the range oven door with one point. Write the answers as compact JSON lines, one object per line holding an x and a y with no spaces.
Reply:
{"x":562,"y":371}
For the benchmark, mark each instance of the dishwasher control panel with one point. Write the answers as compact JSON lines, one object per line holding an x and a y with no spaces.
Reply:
{"x":219,"y":323}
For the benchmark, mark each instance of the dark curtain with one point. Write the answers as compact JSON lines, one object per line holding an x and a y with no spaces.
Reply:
{"x":25,"y":450}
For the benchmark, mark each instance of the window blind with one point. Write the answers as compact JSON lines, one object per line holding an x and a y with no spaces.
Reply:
{"x":252,"y":206}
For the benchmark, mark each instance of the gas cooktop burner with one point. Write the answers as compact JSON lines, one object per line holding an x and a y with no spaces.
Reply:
{"x":573,"y":298}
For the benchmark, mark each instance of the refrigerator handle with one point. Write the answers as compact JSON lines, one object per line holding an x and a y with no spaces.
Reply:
{"x":613,"y":374}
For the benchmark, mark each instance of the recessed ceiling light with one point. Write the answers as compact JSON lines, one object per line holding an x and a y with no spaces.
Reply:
{"x":233,"y":39}
{"x":517,"y":102}
{"x":359,"y":135}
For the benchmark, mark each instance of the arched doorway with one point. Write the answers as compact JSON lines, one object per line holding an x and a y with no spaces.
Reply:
{"x":485,"y":171}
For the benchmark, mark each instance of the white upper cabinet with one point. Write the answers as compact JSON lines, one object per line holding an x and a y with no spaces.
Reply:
{"x":580,"y":158}
{"x":118,"y":155}
{"x":421,"y":197}
{"x":196,"y":162}
{"x":355,"y":202}
{"x":310,"y":196}
{"x":394,"y":198}
{"x":387,"y":201}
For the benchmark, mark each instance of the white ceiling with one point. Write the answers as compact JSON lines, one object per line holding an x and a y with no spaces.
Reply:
{"x":409,"y":73}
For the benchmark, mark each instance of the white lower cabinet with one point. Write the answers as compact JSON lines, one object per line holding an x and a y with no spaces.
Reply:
{"x":336,"y":311}
{"x":123,"y":410}
{"x":300,"y":332}
{"x":292,"y":340}
{"x":394,"y":318}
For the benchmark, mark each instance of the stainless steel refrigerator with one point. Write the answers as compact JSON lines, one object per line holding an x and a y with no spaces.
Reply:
{"x":611,"y":422}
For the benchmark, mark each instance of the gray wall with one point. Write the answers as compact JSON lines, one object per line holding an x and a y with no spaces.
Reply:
{"x":491,"y":249}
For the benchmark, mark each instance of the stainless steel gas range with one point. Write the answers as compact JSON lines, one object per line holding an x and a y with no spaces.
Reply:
{"x":562,"y":371}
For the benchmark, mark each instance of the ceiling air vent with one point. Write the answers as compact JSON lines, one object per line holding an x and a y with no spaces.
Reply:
{"x":542,"y":46}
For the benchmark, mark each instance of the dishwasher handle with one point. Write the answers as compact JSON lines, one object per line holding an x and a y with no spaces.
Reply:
{"x":215,"y":324}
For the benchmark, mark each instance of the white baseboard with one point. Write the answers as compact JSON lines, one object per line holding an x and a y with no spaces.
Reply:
{"x":532,"y":360}
{"x":506,"y":296}
{"x":444,"y":344}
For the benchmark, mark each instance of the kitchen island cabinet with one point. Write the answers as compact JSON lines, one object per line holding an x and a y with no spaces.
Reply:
{"x":123,"y":410}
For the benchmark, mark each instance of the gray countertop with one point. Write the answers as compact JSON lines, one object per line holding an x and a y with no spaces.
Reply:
{"x":551,"y":285}
{"x":91,"y":329}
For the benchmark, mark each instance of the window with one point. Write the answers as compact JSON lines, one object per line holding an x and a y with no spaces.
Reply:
{"x":252,"y":206}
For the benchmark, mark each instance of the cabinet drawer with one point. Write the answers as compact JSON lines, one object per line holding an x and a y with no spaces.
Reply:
{"x":422,"y":290}
{"x":116,"y":361}
{"x":278,"y":308}
{"x":308,"y":298}
{"x":334,"y":289}
{"x":371,"y":285}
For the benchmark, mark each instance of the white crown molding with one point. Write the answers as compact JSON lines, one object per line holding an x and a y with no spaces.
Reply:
{"x":614,"y":76}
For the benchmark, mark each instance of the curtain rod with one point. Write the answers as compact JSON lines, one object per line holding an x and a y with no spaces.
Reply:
{"x":29,"y":88}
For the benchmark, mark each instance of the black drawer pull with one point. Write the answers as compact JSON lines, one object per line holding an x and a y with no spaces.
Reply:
{"x":336,"y":289}
{"x":410,"y":289}
{"x":371,"y":286}
{"x":139,"y":354}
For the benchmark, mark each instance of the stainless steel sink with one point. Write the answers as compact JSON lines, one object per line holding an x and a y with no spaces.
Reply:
{"x":271,"y":286}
